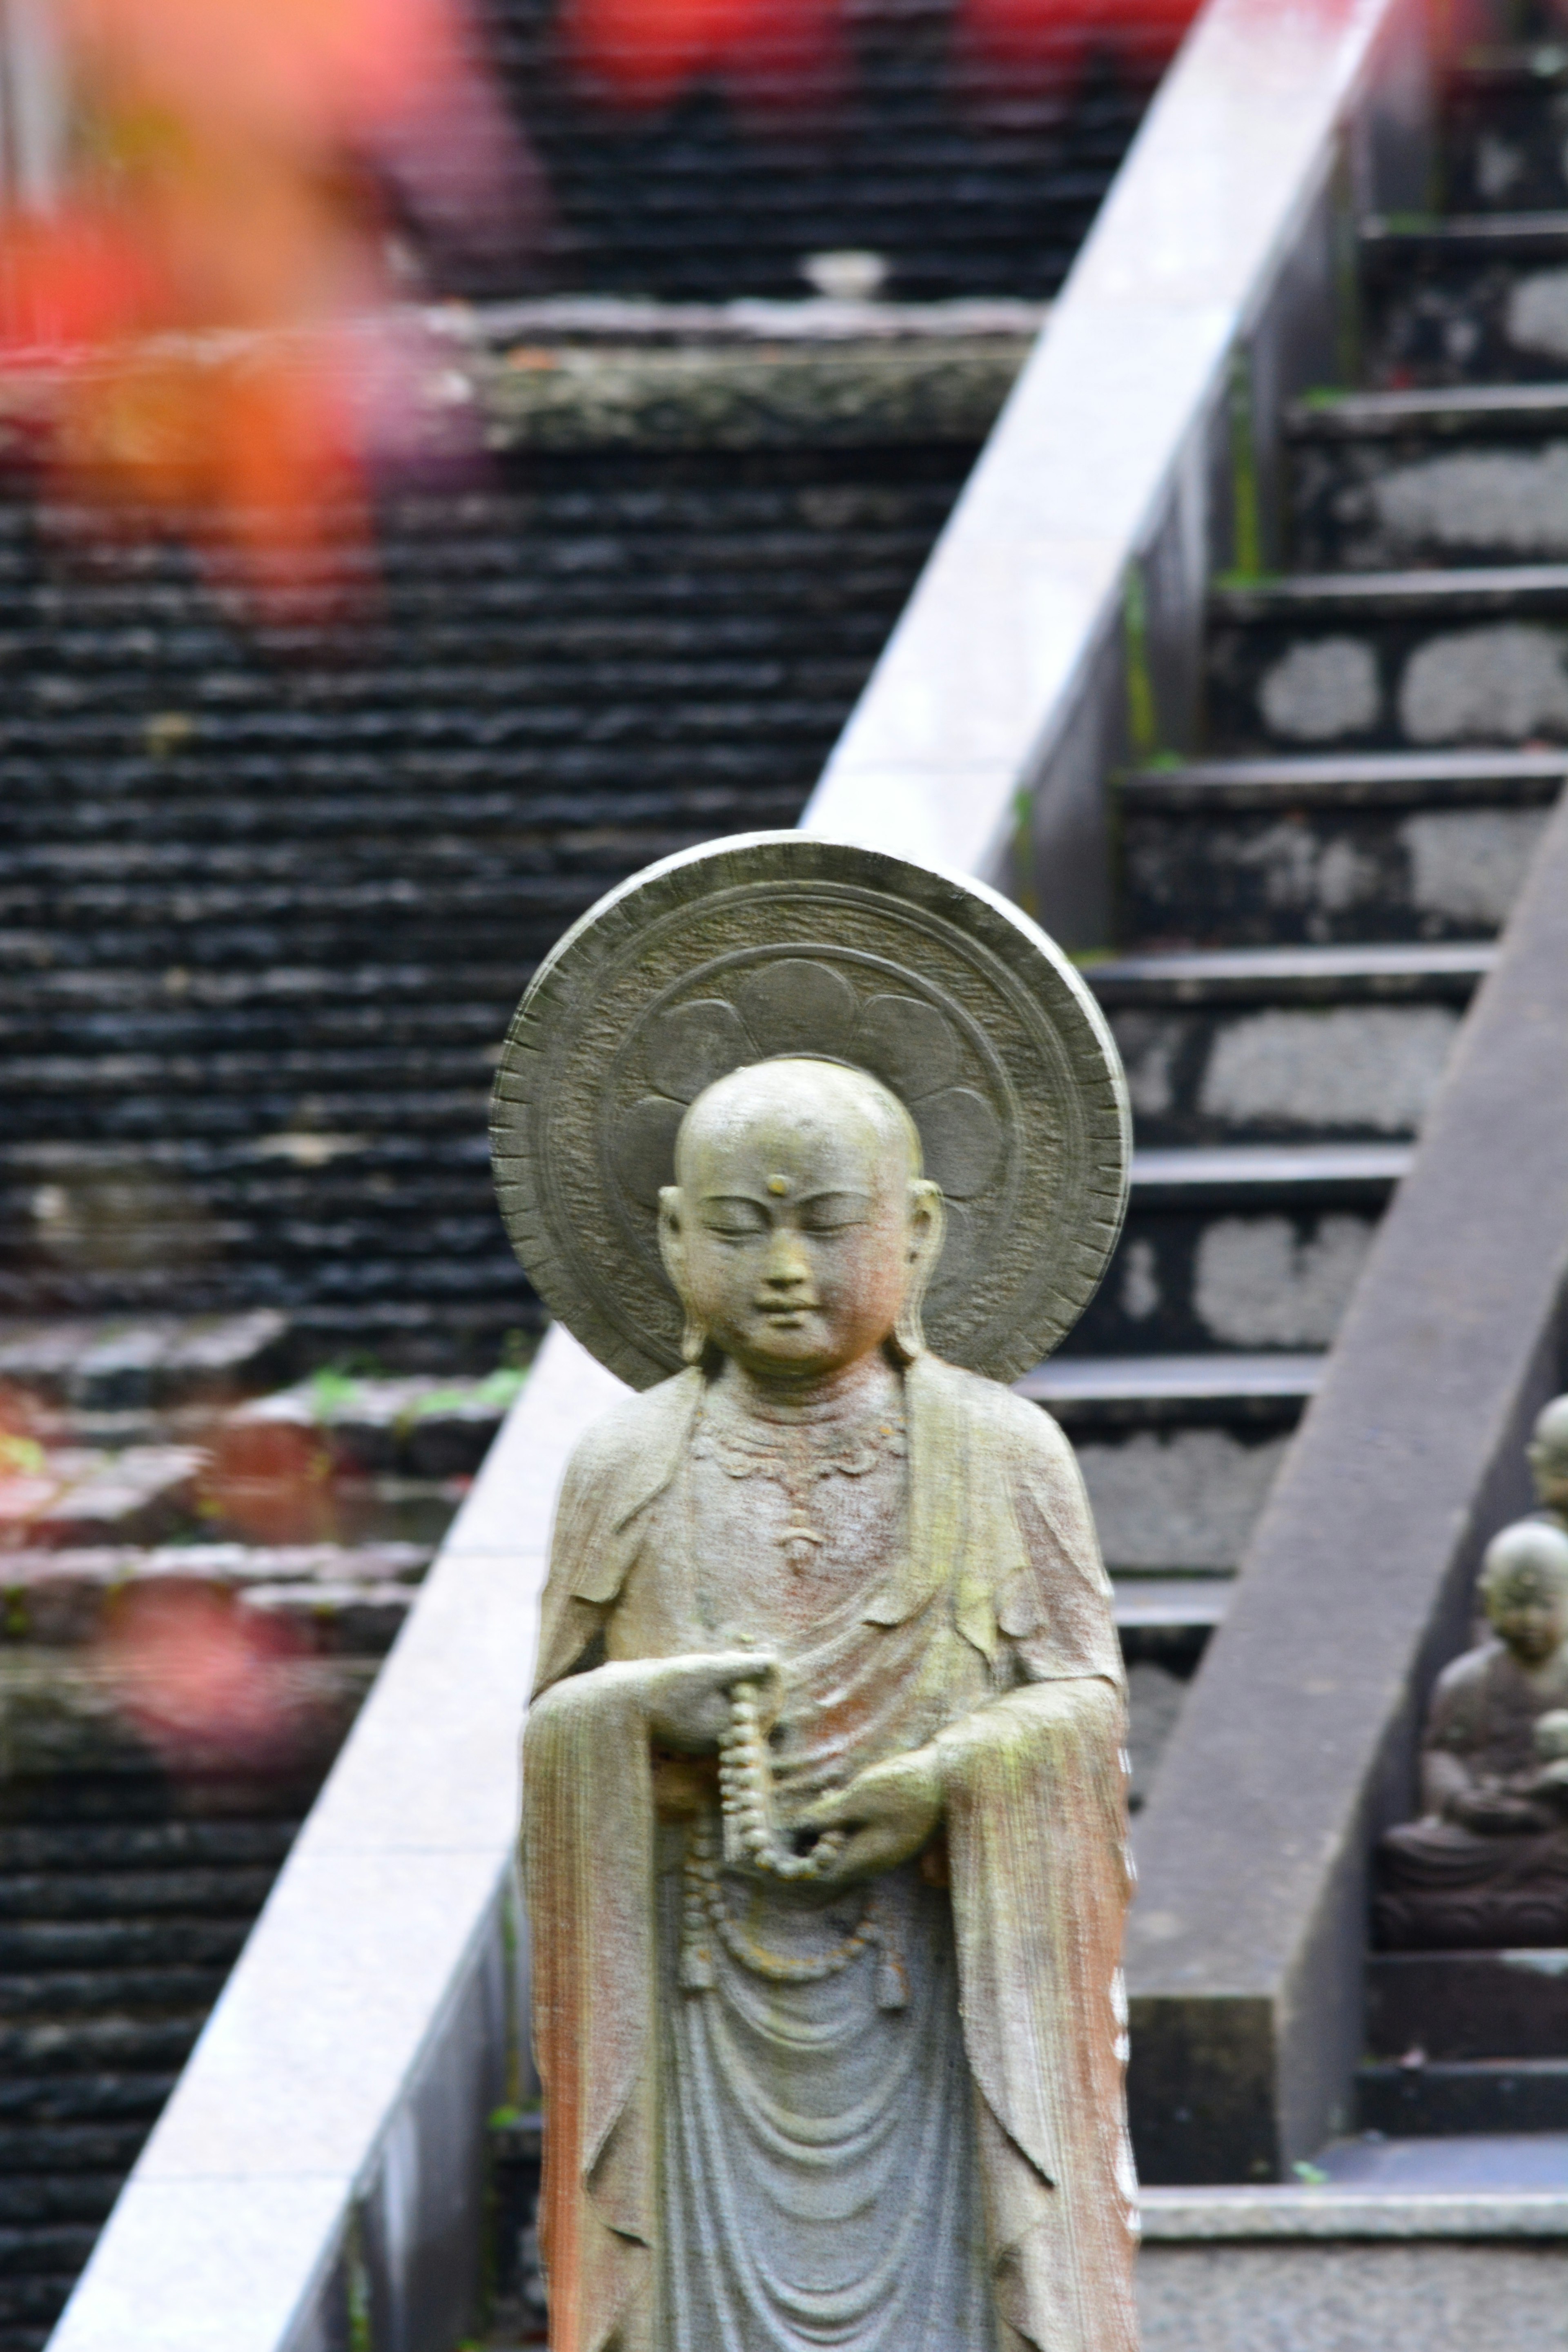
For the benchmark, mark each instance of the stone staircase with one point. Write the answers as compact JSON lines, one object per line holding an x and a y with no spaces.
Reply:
{"x":961,"y":181}
{"x":1306,"y":905}
{"x":267,"y":901}
{"x":197,"y":1585}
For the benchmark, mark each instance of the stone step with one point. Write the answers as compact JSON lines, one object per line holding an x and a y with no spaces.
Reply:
{"x":129,"y":1842}
{"x":102,"y":1717}
{"x":1382,"y":846}
{"x":155,"y":2046}
{"x":1251,"y":1246}
{"x":421,"y":1428}
{"x":120,"y":1940}
{"x":1390,"y":659}
{"x":1467,"y":2005}
{"x":84,"y":2098}
{"x":1389,"y":482}
{"x":1178,"y":1452}
{"x":1159,"y":1605}
{"x":55,"y":2198}
{"x":52,"y":2248}
{"x":218,"y":1892}
{"x":1089,"y":1395}
{"x":70,"y":2147}
{"x":64,"y":1598}
{"x":1462,"y":2096}
{"x":157,"y":1360}
{"x":1287,"y":1044}
{"x":180,"y":1994}
{"x":1504,"y":133}
{"x":1470,"y":298}
{"x":79,"y":1496}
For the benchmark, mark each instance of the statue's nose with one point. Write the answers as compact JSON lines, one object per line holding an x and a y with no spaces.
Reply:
{"x":786,"y":1268}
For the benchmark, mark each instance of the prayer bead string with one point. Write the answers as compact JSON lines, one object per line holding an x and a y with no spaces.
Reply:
{"x":746,"y":1799}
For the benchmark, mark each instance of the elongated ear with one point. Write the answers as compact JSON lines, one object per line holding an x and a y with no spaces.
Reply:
{"x":928,"y":1227}
{"x":694,"y":1341}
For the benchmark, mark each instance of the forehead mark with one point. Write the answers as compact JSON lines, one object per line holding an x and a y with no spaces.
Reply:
{"x":779,"y":1184}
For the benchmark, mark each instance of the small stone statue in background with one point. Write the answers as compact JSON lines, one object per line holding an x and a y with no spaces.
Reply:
{"x":823,"y":1788}
{"x":1547,"y":1454}
{"x":1487,"y":1865}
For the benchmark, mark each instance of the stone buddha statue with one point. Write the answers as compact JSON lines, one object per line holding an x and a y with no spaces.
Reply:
{"x":1487,"y":1865}
{"x":825,"y":1788}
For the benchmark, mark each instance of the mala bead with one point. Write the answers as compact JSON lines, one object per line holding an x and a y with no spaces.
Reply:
{"x":746,"y":1798}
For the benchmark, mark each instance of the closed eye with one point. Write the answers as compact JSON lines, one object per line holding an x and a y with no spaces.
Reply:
{"x":733,"y":1220}
{"x":834,"y":1212}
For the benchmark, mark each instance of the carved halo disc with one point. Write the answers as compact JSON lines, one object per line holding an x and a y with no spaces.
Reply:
{"x":777,"y":943}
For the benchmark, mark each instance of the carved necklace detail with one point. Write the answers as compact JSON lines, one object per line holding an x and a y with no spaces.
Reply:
{"x":795,"y":1454}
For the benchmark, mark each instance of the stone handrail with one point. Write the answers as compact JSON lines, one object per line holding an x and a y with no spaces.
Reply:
{"x":315,"y":2177}
{"x":1247,"y":1946}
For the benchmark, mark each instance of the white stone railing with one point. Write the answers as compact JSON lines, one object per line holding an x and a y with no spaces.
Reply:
{"x":315,"y":2178}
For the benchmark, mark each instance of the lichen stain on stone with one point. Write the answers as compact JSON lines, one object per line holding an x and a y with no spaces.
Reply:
{"x":1148,"y":1046}
{"x":1467,"y":866}
{"x":1140,"y":1292}
{"x":1508,"y":682}
{"x":1514,"y":501}
{"x":1300,"y":869}
{"x":1537,"y":316}
{"x":1320,"y":690}
{"x":1261,"y":1282}
{"x":1367,"y":1067}
{"x":1178,"y":1499}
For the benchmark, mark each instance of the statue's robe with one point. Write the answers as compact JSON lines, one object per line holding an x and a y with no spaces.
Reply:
{"x":991,"y":1632}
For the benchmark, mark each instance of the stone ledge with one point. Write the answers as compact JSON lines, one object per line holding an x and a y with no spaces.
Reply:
{"x":1181,"y":2216}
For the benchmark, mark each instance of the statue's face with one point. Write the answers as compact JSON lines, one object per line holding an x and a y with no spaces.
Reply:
{"x":1549,"y":1466}
{"x":1529,"y":1611}
{"x":797,"y":1224}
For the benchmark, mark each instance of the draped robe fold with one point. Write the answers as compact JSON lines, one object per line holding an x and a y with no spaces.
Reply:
{"x":999,"y":1596}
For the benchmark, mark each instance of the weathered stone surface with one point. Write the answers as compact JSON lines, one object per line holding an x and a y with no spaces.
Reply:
{"x":60,"y":1598}
{"x":1361,"y":2297}
{"x":1468,"y":2004}
{"x":265,"y":920}
{"x":62,"y":1715}
{"x":1178,"y":1499}
{"x":77,"y":1495}
{"x":1458,"y":301}
{"x":158,"y":1359}
{"x":1350,"y":1071}
{"x":1443,"y":659}
{"x":420,"y":1427}
{"x":829,"y":397}
{"x":1267,"y":851}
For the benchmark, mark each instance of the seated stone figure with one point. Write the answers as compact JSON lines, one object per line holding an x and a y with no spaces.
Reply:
{"x":1487,"y":1865}
{"x":1548,"y":1457}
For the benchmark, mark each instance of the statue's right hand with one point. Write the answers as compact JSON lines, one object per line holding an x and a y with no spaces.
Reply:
{"x":688,"y":1699}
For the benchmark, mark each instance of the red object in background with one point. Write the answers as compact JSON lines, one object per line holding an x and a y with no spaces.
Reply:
{"x":1035,"y":38}
{"x":207,"y":1682}
{"x":643,"y":53}
{"x":271,"y":1483}
{"x":207,"y":306}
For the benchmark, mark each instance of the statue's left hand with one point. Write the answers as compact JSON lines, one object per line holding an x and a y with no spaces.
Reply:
{"x":889,"y":1811}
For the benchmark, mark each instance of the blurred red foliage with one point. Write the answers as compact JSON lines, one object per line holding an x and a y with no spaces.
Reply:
{"x":642,"y":54}
{"x":204,"y":301}
{"x":271,"y":1483}
{"x":207,"y":1682}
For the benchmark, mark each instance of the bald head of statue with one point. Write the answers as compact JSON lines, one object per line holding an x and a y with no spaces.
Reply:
{"x":800,"y":1232}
